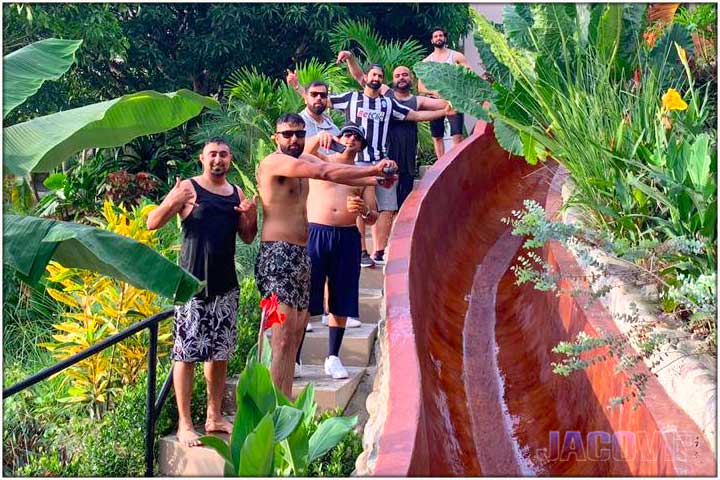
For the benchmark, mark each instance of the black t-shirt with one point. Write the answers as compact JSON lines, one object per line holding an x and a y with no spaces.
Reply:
{"x":403,"y":137}
{"x":374,"y":115}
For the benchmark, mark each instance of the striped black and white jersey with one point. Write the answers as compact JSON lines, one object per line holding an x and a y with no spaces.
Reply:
{"x":373,"y":114}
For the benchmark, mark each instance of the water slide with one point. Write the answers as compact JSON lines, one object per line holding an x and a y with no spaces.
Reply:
{"x":465,"y":379}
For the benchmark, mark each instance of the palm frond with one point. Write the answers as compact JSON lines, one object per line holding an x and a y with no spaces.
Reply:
{"x":253,"y":88}
{"x":332,"y":74}
{"x":358,"y":31}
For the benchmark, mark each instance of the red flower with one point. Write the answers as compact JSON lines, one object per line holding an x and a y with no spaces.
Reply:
{"x":270,"y":314}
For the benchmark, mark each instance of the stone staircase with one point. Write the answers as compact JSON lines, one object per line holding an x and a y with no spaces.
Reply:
{"x":356,"y":354}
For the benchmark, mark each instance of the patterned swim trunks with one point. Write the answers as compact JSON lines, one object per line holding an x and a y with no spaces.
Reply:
{"x":206,"y":328}
{"x":284,"y":268}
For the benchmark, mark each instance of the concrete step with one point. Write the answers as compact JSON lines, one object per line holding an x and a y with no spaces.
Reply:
{"x":180,"y":461}
{"x":356,"y":347}
{"x":372,"y":278}
{"x":329,"y":393}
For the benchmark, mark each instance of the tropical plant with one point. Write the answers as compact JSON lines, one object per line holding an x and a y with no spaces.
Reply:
{"x":44,"y":142}
{"x":372,"y":48}
{"x":617,"y":105}
{"x":270,"y":433}
{"x":98,"y":307}
{"x":28,"y":68}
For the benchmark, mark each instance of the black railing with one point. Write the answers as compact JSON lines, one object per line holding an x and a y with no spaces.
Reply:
{"x":152,"y":406}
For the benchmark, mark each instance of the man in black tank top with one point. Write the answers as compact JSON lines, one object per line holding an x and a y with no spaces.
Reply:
{"x":213,"y":212}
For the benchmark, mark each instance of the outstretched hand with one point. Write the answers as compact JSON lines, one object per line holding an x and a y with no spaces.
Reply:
{"x":248,"y":207}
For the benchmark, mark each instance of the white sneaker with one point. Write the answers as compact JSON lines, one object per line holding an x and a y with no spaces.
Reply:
{"x":309,"y":327}
{"x":334,"y":368}
{"x":352,"y":322}
{"x":298,"y":370}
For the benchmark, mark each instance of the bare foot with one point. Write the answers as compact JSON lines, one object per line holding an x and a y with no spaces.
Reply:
{"x":218,"y":425}
{"x":188,"y":437}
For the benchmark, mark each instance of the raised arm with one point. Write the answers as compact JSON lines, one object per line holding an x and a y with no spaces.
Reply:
{"x":308,"y":166}
{"x":182,"y":195}
{"x":355,"y":69}
{"x":292,"y":80}
{"x":352,"y":65}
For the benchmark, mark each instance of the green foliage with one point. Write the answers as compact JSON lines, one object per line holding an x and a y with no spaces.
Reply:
{"x":692,"y":298}
{"x":25,"y":70}
{"x":270,"y":433}
{"x":372,"y":48}
{"x":340,"y":461}
{"x":30,"y":243}
{"x":42,"y":143}
{"x":469,"y":91}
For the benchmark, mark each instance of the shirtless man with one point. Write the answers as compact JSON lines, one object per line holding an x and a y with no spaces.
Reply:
{"x":283,"y":265}
{"x":442,"y":54}
{"x":213,"y":212}
{"x":334,"y":240}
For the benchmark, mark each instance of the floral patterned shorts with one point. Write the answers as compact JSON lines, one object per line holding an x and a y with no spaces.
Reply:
{"x":284,"y":268}
{"x":206,"y":328}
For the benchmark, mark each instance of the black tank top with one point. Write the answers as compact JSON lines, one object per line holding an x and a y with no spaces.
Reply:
{"x":403,"y":138}
{"x":208,"y":247}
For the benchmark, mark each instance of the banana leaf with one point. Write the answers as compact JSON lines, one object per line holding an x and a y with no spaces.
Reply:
{"x":29,"y":243}
{"x":25,"y":70}
{"x":41,"y":144}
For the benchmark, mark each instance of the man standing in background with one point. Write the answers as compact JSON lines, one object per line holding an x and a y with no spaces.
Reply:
{"x":442,"y":54}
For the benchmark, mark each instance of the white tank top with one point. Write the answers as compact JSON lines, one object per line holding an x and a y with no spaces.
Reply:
{"x":450,"y":58}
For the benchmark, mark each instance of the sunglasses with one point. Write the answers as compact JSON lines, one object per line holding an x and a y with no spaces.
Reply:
{"x":318,"y":94}
{"x":289,"y":133}
{"x":353,"y":135}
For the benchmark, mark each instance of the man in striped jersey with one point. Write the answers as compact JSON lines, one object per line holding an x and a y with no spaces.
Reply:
{"x":373,"y":111}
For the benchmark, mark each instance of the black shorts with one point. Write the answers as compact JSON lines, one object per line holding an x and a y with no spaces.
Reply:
{"x":335,"y":256}
{"x":437,"y":127}
{"x":405,"y":185}
{"x":206,"y":328}
{"x":284,"y":268}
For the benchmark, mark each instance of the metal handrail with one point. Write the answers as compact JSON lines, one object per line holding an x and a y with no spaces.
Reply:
{"x":152,"y":406}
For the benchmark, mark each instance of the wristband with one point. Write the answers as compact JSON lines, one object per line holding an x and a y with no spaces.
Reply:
{"x":366,"y":215}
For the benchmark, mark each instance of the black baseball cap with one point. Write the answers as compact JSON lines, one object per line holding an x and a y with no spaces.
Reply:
{"x":351,"y":127}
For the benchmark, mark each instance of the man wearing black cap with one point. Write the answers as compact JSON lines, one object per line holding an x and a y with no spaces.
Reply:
{"x":334,"y":240}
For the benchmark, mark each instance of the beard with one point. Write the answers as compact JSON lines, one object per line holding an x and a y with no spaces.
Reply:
{"x":294,"y":150}
{"x":402,"y":86}
{"x":374,"y":85}
{"x":218,"y":170}
{"x":317,"y":109}
{"x":440,"y":44}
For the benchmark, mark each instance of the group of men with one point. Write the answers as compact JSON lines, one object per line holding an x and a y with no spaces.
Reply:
{"x":318,"y":190}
